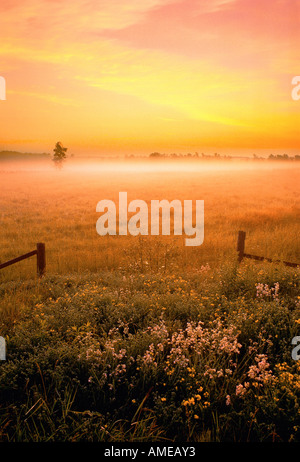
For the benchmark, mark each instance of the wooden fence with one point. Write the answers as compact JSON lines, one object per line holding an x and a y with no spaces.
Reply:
{"x":40,"y":257}
{"x":40,"y":253}
{"x":242,"y":254}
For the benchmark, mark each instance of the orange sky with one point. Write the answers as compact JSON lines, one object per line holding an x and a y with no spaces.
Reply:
{"x":136,"y":76}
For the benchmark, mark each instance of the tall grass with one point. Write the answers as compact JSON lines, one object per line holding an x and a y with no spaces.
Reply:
{"x":144,"y":339}
{"x":187,"y":357}
{"x":59,"y":208}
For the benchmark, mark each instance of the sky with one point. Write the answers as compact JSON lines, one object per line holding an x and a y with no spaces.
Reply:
{"x":115,"y":77}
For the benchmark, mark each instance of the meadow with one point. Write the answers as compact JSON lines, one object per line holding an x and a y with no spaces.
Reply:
{"x":142,"y":338}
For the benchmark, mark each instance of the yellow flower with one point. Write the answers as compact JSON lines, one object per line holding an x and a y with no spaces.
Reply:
{"x":196,"y":416}
{"x":163,"y":399}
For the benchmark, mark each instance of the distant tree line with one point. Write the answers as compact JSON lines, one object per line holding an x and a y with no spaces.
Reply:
{"x":189,"y":155}
{"x":22,"y":155}
{"x":283,"y":157}
{"x":196,"y":155}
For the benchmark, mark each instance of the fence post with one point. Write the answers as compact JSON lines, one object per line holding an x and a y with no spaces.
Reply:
{"x":41,"y":259}
{"x":241,"y":245}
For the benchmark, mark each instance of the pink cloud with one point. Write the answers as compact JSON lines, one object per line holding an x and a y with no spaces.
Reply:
{"x":237,"y":32}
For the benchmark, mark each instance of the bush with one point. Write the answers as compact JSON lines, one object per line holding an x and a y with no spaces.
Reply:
{"x":194,"y":357}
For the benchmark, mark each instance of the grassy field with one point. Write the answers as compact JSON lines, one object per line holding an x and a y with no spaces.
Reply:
{"x":145,"y":339}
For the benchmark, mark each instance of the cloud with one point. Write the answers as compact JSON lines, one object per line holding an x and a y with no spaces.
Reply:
{"x":50,"y":98}
{"x":212,"y":6}
{"x":36,"y":17}
{"x":217,"y":63}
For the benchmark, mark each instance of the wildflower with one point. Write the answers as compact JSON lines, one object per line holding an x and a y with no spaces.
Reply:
{"x":228,"y":402}
{"x":260,"y":372}
{"x":263,"y":290}
{"x":240,"y":390}
{"x":188,"y":402}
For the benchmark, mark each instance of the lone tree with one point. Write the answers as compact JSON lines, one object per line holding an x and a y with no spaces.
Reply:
{"x":59,"y":154}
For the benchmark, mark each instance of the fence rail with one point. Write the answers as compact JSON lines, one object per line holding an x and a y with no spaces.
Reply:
{"x":40,"y":253}
{"x":242,"y":254}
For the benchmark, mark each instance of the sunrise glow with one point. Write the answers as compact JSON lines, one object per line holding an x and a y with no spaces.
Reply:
{"x":135,"y":76}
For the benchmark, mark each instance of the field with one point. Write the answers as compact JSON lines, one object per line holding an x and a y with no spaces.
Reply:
{"x":143,"y":338}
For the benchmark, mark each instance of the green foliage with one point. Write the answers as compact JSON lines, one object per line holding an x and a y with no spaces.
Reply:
{"x":59,"y":154}
{"x":143,"y":357}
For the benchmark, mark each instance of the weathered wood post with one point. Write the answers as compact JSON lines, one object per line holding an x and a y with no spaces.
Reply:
{"x":41,"y":259}
{"x":241,"y":245}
